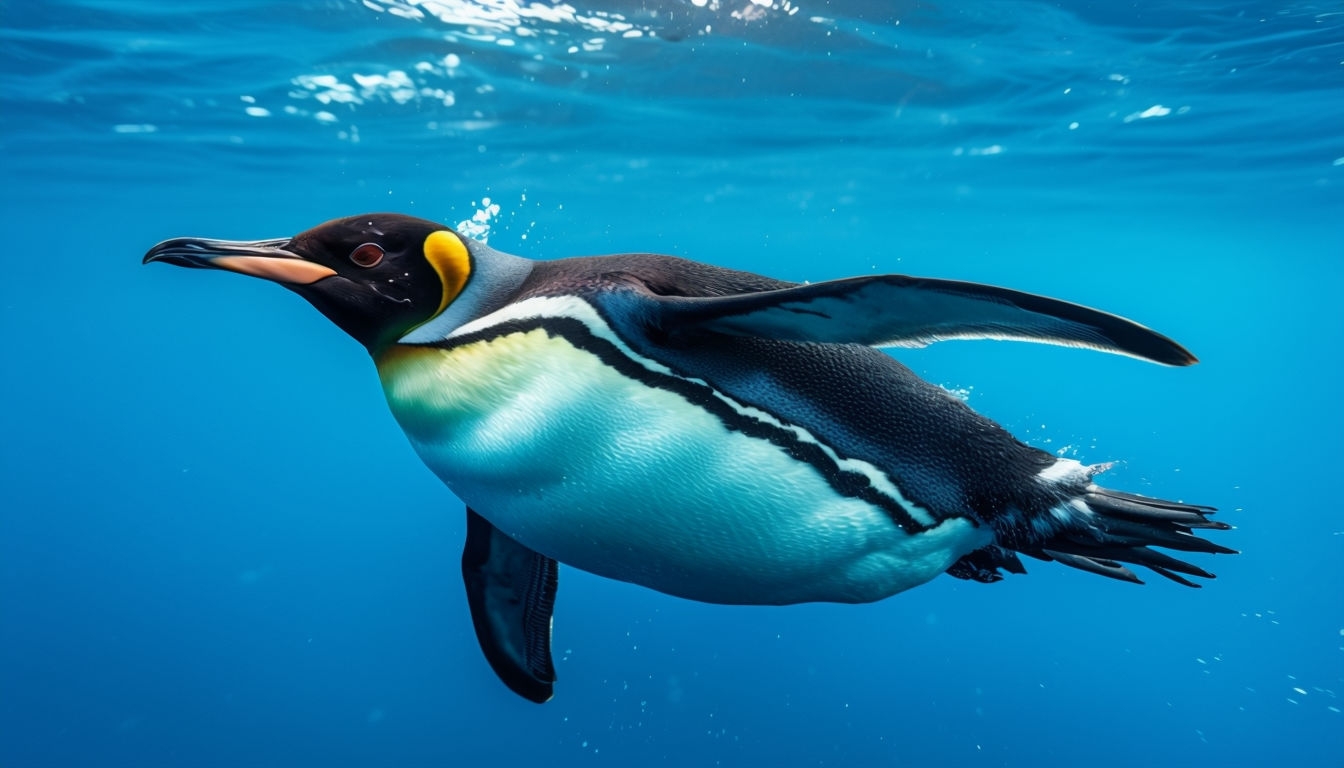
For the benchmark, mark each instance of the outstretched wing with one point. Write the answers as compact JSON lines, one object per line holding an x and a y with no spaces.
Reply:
{"x":896,"y":310}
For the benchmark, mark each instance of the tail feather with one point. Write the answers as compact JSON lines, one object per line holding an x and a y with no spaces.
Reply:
{"x":1121,"y":529}
{"x":1133,"y":533}
{"x":1136,"y":555}
{"x":1097,"y":565}
{"x":1176,"y":577}
{"x":1144,"y":509}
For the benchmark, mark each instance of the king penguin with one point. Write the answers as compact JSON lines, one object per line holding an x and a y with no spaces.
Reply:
{"x":708,"y":433}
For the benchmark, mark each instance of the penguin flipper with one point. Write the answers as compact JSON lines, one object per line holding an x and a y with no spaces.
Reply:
{"x":902,"y":311}
{"x":511,"y":592}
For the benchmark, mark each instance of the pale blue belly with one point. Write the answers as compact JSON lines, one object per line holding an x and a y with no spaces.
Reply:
{"x":601,"y":472}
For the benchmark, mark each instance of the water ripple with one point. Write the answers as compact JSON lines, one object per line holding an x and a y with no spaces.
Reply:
{"x":1216,"y":87}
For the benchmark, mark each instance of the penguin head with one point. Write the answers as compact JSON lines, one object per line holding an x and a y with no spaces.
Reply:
{"x":376,"y":276}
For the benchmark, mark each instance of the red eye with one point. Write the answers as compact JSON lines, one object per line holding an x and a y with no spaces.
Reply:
{"x":367,"y":255}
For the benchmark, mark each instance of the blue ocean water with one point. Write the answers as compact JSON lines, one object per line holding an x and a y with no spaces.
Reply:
{"x":217,"y":549}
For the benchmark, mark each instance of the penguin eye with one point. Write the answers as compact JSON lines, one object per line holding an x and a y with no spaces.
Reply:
{"x":367,"y":255}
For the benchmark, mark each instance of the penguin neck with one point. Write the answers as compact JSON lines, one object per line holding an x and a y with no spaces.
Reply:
{"x":495,"y":279}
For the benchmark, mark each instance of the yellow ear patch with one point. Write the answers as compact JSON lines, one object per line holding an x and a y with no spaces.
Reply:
{"x":448,"y":255}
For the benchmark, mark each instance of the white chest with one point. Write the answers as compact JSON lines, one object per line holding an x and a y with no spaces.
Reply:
{"x":601,"y":471}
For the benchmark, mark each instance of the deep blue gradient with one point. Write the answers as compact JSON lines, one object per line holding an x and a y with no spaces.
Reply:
{"x":217,"y":549}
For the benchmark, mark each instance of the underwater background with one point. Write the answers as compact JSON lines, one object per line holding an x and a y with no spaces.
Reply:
{"x":217,"y":548}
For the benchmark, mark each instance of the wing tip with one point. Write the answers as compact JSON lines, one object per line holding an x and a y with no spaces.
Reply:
{"x":1181,"y":357}
{"x":1147,"y":344}
{"x":535,"y":691}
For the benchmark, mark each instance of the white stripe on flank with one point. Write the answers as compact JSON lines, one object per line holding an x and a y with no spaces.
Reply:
{"x":575,"y":308}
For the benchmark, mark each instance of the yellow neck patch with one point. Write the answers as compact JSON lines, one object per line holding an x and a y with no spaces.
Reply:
{"x":448,"y":255}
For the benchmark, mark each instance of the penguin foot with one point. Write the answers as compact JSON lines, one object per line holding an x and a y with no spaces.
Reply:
{"x":983,"y":565}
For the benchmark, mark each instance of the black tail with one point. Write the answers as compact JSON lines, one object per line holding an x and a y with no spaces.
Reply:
{"x":1122,"y":529}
